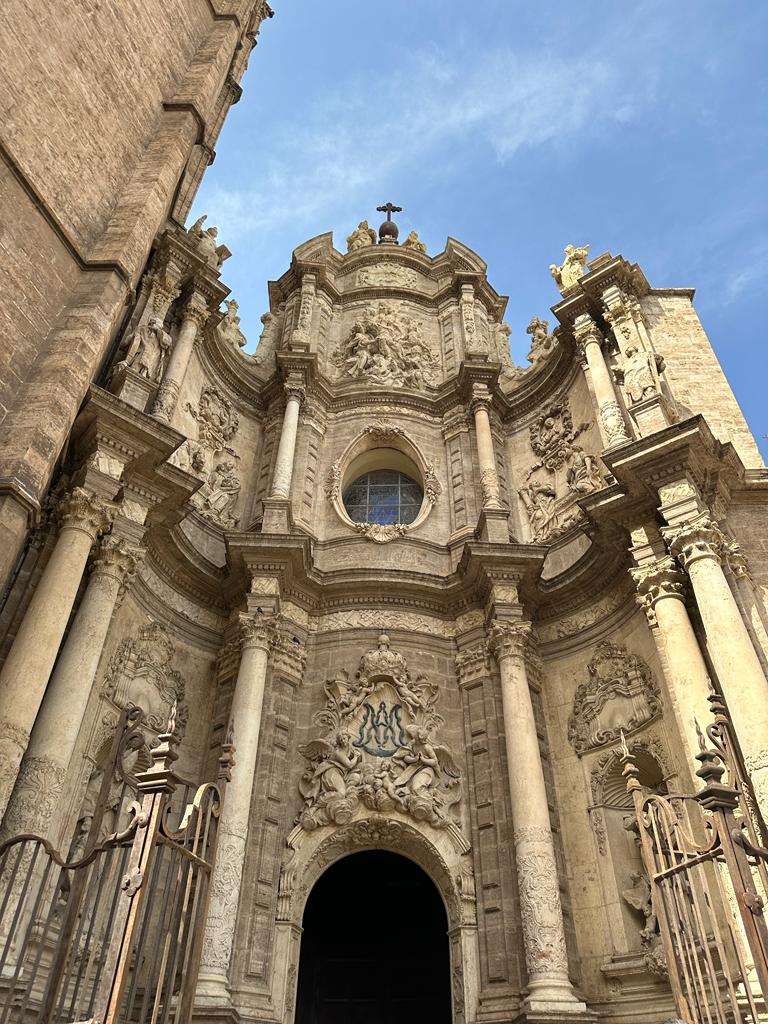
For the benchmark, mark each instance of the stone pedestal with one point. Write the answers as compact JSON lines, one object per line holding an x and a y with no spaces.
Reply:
{"x":651,"y":414}
{"x":28,"y":667}
{"x":134,"y":389}
{"x":550,"y":994}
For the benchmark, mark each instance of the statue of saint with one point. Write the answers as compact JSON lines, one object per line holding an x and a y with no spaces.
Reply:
{"x":542,"y":342}
{"x":572,"y":269}
{"x":204,"y":240}
{"x":147,"y":349}
{"x":583,"y":473}
{"x":222,"y":493}
{"x":414,"y":242}
{"x":230,"y":325}
{"x":361,"y":237}
{"x":639,"y":373}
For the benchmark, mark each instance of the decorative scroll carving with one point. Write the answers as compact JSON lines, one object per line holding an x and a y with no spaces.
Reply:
{"x":229,"y":328}
{"x":572,"y":268}
{"x":361,"y":237}
{"x":381,"y":534}
{"x":385,"y":346}
{"x":383,"y":431}
{"x":540,"y":907}
{"x":542,"y":342}
{"x":333,"y":481}
{"x":217,"y":420}
{"x":550,"y":503}
{"x":139,"y":674}
{"x":378,"y":748}
{"x":621,"y":695}
{"x":432,"y":486}
{"x":387,"y":275}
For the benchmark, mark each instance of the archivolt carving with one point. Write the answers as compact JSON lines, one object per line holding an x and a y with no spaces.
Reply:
{"x":621,"y":694}
{"x":385,"y":346}
{"x":140,"y":675}
{"x":309,"y":854}
{"x":378,"y":748}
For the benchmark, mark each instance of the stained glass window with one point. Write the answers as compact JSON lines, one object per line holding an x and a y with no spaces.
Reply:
{"x":383,"y":496}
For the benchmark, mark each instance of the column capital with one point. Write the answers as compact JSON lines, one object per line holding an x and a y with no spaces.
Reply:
{"x":657,"y":580}
{"x":737,"y":561}
{"x":257,"y":631}
{"x":480,"y":398}
{"x":586,"y":332}
{"x":289,"y":656}
{"x":295,"y":389}
{"x":196,"y":309}
{"x":119,"y":559}
{"x":79,"y":509}
{"x":511,"y":640}
{"x":690,"y":542}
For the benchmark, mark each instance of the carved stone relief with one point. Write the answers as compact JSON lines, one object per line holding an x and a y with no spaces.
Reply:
{"x":621,"y":695}
{"x":386,"y":347}
{"x":387,"y":275}
{"x":378,"y":748}
{"x":140,"y":674}
{"x":568,"y":474}
{"x":217,"y":424}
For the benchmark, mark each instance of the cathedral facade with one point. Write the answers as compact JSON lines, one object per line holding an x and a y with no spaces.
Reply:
{"x":426,"y":593}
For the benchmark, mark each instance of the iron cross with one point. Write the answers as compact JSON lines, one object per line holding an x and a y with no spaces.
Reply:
{"x":389,"y":209}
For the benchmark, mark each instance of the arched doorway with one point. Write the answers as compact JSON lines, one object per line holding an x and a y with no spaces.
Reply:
{"x":374,"y":948}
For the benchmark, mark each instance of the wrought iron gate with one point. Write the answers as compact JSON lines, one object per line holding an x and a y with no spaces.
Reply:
{"x":709,"y":878}
{"x":114,"y":932}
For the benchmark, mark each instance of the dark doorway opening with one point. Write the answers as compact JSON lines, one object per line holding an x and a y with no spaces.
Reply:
{"x":375,"y":945}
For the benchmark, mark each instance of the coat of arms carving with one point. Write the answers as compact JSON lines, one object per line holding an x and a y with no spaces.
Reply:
{"x":621,"y":695}
{"x":378,"y":748}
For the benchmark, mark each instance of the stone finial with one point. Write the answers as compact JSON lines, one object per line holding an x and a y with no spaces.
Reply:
{"x":571,"y":269}
{"x":414,"y":242}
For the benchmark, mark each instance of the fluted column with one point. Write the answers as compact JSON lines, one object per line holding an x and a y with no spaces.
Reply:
{"x":590,"y":340}
{"x":256,"y":636}
{"x":28,"y":667}
{"x":194,"y":315}
{"x":699,"y":546}
{"x":489,"y":479}
{"x":283,"y":472}
{"x":661,"y":587}
{"x":546,"y":958}
{"x":35,"y":805}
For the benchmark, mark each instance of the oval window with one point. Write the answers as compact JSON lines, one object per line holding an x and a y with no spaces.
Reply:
{"x":383,"y":496}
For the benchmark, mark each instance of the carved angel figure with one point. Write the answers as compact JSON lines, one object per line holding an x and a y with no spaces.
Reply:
{"x":583,"y":474}
{"x":230,"y":325}
{"x":329,"y":782}
{"x":572,"y":268}
{"x":639,"y":373}
{"x":361,"y":237}
{"x":414,"y":242}
{"x":147,"y":349}
{"x":204,"y":240}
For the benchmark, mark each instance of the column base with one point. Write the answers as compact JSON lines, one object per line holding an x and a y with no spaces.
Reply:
{"x":277,"y":516}
{"x":553,"y":1000}
{"x":213,"y":996}
{"x":493,"y":525}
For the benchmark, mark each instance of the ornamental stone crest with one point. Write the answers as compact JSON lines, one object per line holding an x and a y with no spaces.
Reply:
{"x":569,"y":473}
{"x":385,"y":275}
{"x":621,"y":695}
{"x":217,"y":420}
{"x":140,"y":674}
{"x":378,"y":749}
{"x":386,"y":347}
{"x":217,"y":423}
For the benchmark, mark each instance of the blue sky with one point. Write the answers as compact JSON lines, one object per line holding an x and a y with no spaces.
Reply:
{"x":639,"y":128}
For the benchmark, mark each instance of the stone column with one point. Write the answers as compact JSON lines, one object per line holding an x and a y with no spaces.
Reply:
{"x":546,"y":958}
{"x":699,"y":546}
{"x":489,"y":480}
{"x":590,"y":341}
{"x":661,"y":587}
{"x":283,"y":472}
{"x":256,"y":636}
{"x":26,"y":671}
{"x":35,"y":805}
{"x":194,"y":315}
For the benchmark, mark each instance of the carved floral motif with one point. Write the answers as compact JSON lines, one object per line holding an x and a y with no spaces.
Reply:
{"x":378,"y":748}
{"x":621,"y":695}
